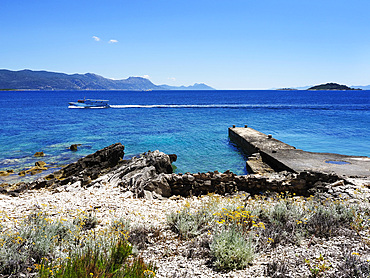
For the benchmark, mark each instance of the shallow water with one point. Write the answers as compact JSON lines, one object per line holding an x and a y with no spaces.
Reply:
{"x":192,"y":124}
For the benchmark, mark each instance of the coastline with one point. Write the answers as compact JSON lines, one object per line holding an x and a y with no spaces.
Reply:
{"x":107,"y":199}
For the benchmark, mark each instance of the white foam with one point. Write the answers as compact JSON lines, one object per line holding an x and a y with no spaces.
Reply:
{"x":185,"y":106}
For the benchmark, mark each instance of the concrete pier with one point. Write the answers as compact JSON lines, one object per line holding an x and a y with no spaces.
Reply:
{"x":281,"y":156}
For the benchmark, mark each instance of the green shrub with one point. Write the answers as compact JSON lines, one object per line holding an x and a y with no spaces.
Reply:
{"x":86,"y":221}
{"x":190,"y":224}
{"x":282,"y":221}
{"x":139,"y":236}
{"x":94,"y":262}
{"x":327,"y":218}
{"x":231,"y":250}
{"x":37,"y":236}
{"x":318,"y":266}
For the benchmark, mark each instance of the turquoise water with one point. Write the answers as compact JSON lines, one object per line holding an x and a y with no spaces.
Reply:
{"x":192,"y":124}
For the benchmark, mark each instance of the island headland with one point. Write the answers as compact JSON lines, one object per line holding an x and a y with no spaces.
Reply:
{"x":332,"y":86}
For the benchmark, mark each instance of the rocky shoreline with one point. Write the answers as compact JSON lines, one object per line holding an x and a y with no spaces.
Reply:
{"x":145,"y":191}
{"x":150,"y":175}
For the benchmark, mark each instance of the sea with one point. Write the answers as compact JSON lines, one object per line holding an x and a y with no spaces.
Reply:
{"x":191,"y":124}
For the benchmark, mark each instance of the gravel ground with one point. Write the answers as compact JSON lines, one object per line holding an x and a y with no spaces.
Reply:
{"x":173,"y":256}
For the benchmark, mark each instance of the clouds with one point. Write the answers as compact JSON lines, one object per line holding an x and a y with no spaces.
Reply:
{"x":97,"y":39}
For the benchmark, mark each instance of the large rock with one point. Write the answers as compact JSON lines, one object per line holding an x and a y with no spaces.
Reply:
{"x":93,"y":164}
{"x":140,"y":174}
{"x":85,"y":169}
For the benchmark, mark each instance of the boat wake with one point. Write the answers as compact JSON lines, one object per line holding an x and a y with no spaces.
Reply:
{"x":250,"y":106}
{"x":182,"y":106}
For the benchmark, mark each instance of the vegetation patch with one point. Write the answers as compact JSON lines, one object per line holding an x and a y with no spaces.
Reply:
{"x":69,"y":248}
{"x":97,"y":262}
{"x":241,"y":230}
{"x":231,"y":250}
{"x":225,"y":233}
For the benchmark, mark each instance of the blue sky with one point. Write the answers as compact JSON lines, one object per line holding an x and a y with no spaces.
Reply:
{"x":227,"y":44}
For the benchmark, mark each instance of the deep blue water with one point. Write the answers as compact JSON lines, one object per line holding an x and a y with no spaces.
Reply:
{"x":192,"y":124}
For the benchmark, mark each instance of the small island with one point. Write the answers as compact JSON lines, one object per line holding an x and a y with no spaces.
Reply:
{"x":332,"y":86}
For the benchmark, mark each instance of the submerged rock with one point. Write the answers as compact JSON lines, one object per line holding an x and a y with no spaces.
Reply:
{"x":40,"y":163}
{"x":74,"y":147}
{"x":6,"y":173}
{"x":39,"y":154}
{"x":3,"y":173}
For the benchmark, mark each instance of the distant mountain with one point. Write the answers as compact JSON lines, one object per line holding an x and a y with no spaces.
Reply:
{"x":291,"y":88}
{"x":196,"y":86}
{"x":45,"y":80}
{"x":367,"y":87}
{"x":303,"y":88}
{"x":332,"y":86}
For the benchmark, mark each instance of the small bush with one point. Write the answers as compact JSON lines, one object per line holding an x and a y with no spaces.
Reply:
{"x":95,"y":263}
{"x":86,"y":221}
{"x":37,"y":236}
{"x":231,"y":250}
{"x":282,"y":222}
{"x":239,"y":218}
{"x":189,"y":224}
{"x":120,"y":225}
{"x":140,"y":236}
{"x":326,"y":219}
{"x":318,"y":266}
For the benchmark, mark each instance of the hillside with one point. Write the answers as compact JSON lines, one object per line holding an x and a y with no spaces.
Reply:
{"x":332,"y":86}
{"x":44,"y":80}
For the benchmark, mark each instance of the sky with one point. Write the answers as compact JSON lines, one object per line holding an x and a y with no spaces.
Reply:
{"x":227,"y":44}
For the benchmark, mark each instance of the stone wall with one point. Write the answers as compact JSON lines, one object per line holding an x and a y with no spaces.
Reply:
{"x":223,"y":183}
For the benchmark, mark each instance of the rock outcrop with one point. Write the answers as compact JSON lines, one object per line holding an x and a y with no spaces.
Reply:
{"x":142,"y":174}
{"x":85,"y":169}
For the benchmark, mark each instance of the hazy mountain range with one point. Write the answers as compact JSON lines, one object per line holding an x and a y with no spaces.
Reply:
{"x":46,"y":80}
{"x":367,"y":87}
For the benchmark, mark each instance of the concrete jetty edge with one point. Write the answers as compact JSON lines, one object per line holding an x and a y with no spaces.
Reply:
{"x":280,"y":156}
